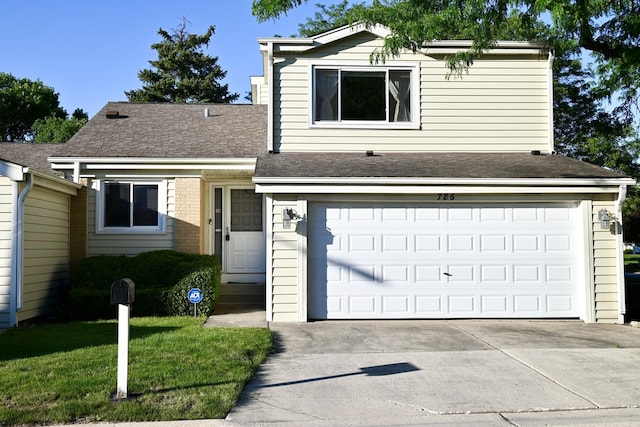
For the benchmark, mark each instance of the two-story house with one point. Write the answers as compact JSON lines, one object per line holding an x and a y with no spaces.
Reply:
{"x":359,"y":190}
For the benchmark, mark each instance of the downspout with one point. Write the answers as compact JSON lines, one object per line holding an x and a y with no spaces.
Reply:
{"x":550,"y":101}
{"x":20,"y":240}
{"x":270,"y":107}
{"x":622,"y":306}
{"x":13,"y":301}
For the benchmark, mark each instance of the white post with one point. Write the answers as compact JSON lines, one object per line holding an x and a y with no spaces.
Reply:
{"x":123,"y":350}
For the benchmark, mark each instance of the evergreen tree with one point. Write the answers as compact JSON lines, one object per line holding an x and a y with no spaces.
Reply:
{"x":183,"y":73}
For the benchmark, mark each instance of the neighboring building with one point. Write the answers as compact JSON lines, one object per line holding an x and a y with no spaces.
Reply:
{"x":359,"y":190}
{"x":35,"y":206}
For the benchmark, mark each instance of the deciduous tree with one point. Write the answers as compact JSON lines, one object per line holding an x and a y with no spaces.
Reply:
{"x":609,"y":30}
{"x":56,"y":129}
{"x":22,"y":102}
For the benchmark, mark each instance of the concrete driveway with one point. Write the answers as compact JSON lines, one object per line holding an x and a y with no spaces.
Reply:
{"x":462,"y":372}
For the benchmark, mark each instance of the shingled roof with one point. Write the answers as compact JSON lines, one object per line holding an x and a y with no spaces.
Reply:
{"x":427,"y":165}
{"x":33,"y":156}
{"x":123,"y":129}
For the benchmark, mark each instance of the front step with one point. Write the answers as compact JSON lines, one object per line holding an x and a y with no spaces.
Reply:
{"x":240,"y":296}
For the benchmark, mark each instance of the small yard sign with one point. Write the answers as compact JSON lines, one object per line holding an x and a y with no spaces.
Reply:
{"x":195,"y":296}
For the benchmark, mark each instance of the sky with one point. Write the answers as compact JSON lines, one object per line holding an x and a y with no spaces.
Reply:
{"x":90,"y":51}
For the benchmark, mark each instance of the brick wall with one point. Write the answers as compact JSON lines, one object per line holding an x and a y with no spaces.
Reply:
{"x":188,"y":215}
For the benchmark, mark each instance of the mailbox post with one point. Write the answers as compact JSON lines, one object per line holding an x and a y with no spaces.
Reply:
{"x":123,"y":295}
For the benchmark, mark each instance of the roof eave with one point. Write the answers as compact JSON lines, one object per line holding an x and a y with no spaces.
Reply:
{"x":475,"y":182}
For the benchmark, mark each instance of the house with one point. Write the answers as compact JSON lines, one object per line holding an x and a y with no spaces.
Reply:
{"x":354,"y":190}
{"x":35,"y":208}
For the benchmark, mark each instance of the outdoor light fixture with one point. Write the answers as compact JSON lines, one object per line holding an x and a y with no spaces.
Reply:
{"x":287,"y":216}
{"x":605,"y":219}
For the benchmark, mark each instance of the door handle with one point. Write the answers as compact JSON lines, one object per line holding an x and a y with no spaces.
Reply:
{"x":226,"y":234}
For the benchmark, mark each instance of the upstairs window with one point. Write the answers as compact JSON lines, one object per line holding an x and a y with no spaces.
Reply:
{"x":131,"y":207}
{"x":367,"y":96}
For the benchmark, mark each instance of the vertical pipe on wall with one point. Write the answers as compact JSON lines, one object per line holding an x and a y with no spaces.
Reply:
{"x":622,"y":304}
{"x":270,"y":108}
{"x":13,"y":284}
{"x":20,"y":241}
{"x":550,"y":101}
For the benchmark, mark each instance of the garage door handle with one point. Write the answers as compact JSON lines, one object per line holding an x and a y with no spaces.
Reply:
{"x":448,"y":274}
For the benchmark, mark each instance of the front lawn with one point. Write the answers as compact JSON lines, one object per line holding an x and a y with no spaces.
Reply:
{"x":66,"y":373}
{"x":632,"y":263}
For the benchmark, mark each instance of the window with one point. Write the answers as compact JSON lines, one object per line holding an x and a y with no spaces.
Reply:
{"x":352,"y":95}
{"x":131,"y":207}
{"x":246,"y":210}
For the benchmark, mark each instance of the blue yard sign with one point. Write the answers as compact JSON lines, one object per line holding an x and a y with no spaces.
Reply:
{"x":194,"y":295}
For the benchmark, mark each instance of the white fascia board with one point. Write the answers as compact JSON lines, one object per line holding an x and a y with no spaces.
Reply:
{"x":302,"y":44}
{"x":500,"y":44}
{"x":12,"y":171}
{"x":435,"y":189}
{"x":164,"y":166}
{"x":120,"y":163}
{"x":55,"y":183}
{"x":540,"y":182}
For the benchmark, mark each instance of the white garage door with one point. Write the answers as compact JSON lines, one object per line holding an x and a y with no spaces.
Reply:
{"x":419,"y":261}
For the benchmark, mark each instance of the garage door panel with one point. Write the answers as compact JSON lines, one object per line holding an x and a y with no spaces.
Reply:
{"x":392,"y":261}
{"x":429,"y":305}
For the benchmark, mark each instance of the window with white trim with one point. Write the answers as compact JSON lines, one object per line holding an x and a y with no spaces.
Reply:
{"x":365,"y":95}
{"x":131,"y":207}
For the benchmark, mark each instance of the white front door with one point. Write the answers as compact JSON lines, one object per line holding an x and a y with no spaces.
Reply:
{"x":243,"y":232}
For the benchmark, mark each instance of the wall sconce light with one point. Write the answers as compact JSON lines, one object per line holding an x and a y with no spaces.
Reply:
{"x":605,"y":219}
{"x":287,"y":216}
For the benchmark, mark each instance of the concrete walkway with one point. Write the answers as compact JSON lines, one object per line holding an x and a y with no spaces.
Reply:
{"x":501,"y":373}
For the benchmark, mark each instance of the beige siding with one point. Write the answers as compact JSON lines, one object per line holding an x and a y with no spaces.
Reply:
{"x":501,"y":105}
{"x":6,"y":203}
{"x":46,"y":251}
{"x":129,"y":244}
{"x":259,"y":90}
{"x":285,"y":275}
{"x":604,"y":261}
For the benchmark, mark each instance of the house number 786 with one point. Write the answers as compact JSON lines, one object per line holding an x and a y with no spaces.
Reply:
{"x":446,"y":196}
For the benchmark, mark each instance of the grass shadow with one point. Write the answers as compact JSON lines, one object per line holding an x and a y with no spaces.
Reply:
{"x":40,"y":340}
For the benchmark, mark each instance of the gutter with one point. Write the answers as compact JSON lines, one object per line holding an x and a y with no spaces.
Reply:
{"x":550,"y":100}
{"x":19,"y":240}
{"x":388,"y":181}
{"x":622,"y":297}
{"x":13,"y":301}
{"x":270,"y":109}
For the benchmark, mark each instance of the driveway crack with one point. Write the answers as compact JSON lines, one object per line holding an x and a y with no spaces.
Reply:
{"x":524,"y":363}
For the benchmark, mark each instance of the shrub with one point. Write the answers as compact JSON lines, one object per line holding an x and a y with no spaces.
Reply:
{"x":175,"y":300}
{"x":154,"y":274}
{"x":99,"y":272}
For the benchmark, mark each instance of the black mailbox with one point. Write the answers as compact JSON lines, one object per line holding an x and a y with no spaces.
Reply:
{"x":123,"y":291}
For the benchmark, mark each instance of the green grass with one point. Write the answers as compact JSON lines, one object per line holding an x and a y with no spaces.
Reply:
{"x":66,"y":373}
{"x":632,"y":263}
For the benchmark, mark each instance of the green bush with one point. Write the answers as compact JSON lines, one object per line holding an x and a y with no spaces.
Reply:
{"x":155,"y":275}
{"x":175,"y":300}
{"x":99,"y":272}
